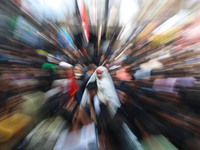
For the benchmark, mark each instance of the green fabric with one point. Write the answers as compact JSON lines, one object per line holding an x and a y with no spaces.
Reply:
{"x":157,"y":142}
{"x":49,"y":66}
{"x":12,"y":22}
{"x":145,"y":145}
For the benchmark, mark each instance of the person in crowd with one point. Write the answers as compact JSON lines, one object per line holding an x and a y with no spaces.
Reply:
{"x":91,"y":70}
{"x":94,"y":105}
{"x":72,"y":85}
{"x":81,"y":79}
{"x":99,"y":114}
{"x":106,"y":92}
{"x":78,"y":72}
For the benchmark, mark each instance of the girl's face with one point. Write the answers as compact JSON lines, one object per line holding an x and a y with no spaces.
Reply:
{"x":99,"y":75}
{"x":92,"y":92}
{"x":77,"y":69}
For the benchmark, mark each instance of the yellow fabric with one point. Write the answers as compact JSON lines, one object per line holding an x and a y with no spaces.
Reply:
{"x":147,"y":30}
{"x":163,"y":38}
{"x":32,"y":102}
{"x":53,"y":125}
{"x":13,"y":124}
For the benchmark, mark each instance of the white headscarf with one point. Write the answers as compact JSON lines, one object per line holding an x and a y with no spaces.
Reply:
{"x":65,"y":65}
{"x":106,"y":90}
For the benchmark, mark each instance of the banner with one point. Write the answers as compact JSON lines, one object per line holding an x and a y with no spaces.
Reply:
{"x":83,"y":13}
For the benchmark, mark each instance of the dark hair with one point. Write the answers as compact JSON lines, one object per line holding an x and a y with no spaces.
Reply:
{"x":92,"y":85}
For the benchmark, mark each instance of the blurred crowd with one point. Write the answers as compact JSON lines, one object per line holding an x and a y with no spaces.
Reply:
{"x":99,"y":74}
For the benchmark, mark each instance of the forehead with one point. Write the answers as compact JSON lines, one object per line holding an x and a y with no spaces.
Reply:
{"x":99,"y":73}
{"x":92,"y":90}
{"x":78,"y":68}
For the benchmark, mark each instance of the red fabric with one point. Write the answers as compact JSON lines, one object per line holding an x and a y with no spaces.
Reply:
{"x":18,"y":2}
{"x":73,"y":86}
{"x":83,"y":51}
{"x":69,"y":74}
{"x":84,"y":18}
{"x":99,"y":71}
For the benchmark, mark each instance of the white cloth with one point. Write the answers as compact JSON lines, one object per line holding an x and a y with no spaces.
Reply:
{"x":51,"y":93}
{"x":68,"y":140}
{"x":97,"y":105}
{"x":152,"y":64}
{"x":143,"y":74}
{"x":65,"y":65}
{"x":106,"y":91}
{"x":61,"y":140}
{"x":62,"y":83}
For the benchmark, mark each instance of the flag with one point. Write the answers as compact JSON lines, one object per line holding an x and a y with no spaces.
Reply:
{"x":84,"y":21}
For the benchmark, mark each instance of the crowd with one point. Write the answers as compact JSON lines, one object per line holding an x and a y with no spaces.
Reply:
{"x":123,"y":75}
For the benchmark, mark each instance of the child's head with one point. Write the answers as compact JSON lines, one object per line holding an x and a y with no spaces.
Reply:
{"x":99,"y":73}
{"x":92,"y":88}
